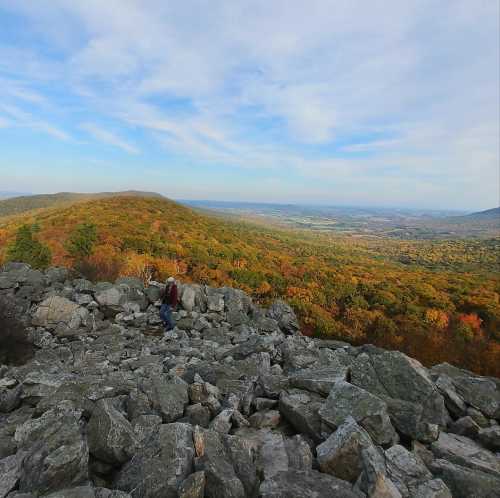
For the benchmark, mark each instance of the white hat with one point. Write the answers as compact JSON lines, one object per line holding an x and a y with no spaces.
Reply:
{"x":170,"y":279}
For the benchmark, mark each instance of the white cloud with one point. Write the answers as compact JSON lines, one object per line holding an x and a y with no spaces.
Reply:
{"x":414,"y":92}
{"x":21,"y":118}
{"x":108,"y":137}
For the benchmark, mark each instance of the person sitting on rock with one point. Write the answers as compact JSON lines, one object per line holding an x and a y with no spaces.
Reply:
{"x":169,"y":304}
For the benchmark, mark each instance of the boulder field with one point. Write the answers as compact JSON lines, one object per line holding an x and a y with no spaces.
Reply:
{"x":233,"y":403}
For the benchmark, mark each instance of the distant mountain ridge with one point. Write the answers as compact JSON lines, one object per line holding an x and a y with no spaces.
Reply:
{"x":488,"y":214}
{"x":21,"y":204}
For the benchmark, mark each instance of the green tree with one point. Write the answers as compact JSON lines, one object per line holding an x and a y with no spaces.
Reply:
{"x":28,"y":249}
{"x":80,"y":244}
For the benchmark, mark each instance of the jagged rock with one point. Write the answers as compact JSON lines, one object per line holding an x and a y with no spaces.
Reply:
{"x":56,"y":310}
{"x":340,"y":454}
{"x":305,"y":485}
{"x":57,"y":275}
{"x":465,"y":452}
{"x":193,"y":486}
{"x":285,"y":316}
{"x":409,"y":419}
{"x":453,"y":401}
{"x":269,"y":418}
{"x":116,"y":385}
{"x":9,"y":474}
{"x":54,"y":449}
{"x":319,"y":380}
{"x":111,"y":437}
{"x":83,"y":286}
{"x":271,"y":386}
{"x":215,"y":302}
{"x":478,"y":417}
{"x":145,"y":426}
{"x":301,"y":409}
{"x":222,"y":422}
{"x":161,"y":466}
{"x":10,"y":398}
{"x":368,"y":410}
{"x":88,"y":492}
{"x":464,"y":482}
{"x":435,"y":488}
{"x":169,"y":398}
{"x":198,"y":414}
{"x":214,"y":459}
{"x":490,"y":437}
{"x":188,"y":298}
{"x":272,"y":457}
{"x":405,"y":470}
{"x":465,"y":426}
{"x":373,"y":479}
{"x":299,"y":453}
{"x":122,"y":296}
{"x":482,"y":393}
{"x":395,"y":375}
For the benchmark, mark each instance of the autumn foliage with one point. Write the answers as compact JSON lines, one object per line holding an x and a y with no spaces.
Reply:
{"x":437,"y":301}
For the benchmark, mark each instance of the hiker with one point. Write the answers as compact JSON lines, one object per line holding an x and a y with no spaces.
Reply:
{"x":169,"y":304}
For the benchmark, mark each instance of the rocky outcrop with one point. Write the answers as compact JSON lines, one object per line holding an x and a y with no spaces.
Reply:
{"x":233,"y":402}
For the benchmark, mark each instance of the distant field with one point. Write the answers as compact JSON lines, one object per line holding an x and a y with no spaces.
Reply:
{"x":394,"y":223}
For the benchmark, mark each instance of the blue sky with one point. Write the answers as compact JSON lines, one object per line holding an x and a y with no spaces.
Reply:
{"x":372,"y":103}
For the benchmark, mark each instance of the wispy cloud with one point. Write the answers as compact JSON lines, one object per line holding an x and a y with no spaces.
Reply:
{"x":108,"y":137}
{"x":21,"y":118}
{"x":333,"y":91}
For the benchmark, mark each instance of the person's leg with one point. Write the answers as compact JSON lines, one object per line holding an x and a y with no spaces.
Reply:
{"x":169,"y":318}
{"x":163,"y":314}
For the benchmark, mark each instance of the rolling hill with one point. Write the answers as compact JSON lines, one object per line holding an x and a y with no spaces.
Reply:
{"x":437,"y":301}
{"x":489,"y":214}
{"x":21,"y":204}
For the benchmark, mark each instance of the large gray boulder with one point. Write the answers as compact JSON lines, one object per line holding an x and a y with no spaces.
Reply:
{"x":54,"y":449}
{"x":406,"y":470}
{"x":340,"y":454}
{"x":368,"y":410}
{"x":9,"y":474}
{"x":159,"y":468}
{"x":435,"y":488}
{"x":465,"y":452}
{"x":490,"y":437}
{"x":395,"y":375}
{"x":319,"y":380}
{"x":188,"y":298}
{"x":111,"y":437}
{"x":216,"y":461}
{"x":483,"y":393}
{"x":169,"y":398}
{"x":307,"y":484}
{"x":272,"y":456}
{"x":55,"y":311}
{"x":464,"y":482}
{"x":373,"y":480}
{"x":285,"y":316}
{"x":301,"y":409}
{"x":114,"y":299}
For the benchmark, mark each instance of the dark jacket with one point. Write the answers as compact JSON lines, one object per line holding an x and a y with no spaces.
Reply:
{"x":170,"y":296}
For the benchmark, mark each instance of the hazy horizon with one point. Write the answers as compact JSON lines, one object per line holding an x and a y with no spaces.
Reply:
{"x":391,"y":104}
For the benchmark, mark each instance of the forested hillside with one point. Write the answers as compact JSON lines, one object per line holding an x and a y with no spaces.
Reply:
{"x":437,"y":301}
{"x":23,"y":203}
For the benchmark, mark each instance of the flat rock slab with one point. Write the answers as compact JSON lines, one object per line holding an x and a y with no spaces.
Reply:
{"x":463,"y":451}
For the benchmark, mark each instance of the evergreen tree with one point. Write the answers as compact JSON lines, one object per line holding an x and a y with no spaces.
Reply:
{"x":28,"y":249}
{"x":81,"y":243}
